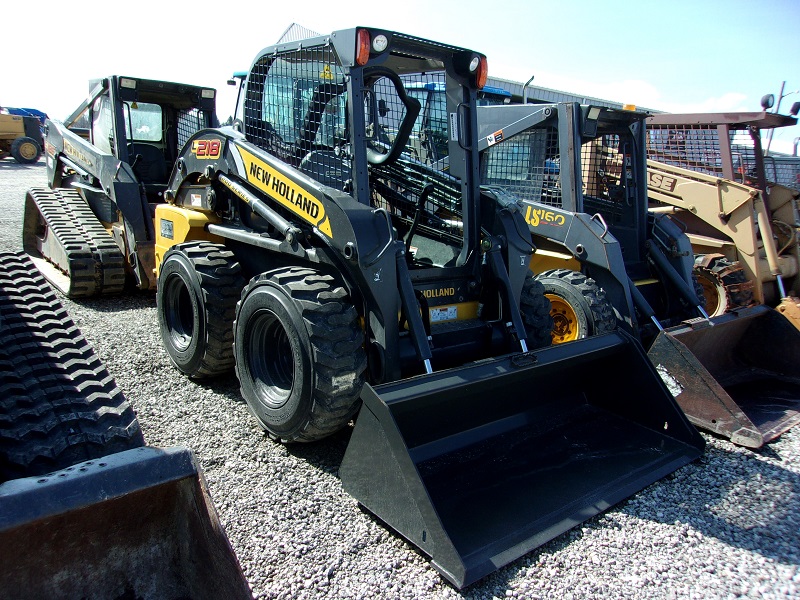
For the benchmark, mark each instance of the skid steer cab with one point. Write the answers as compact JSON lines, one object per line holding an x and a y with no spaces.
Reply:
{"x":342,"y":278}
{"x":108,"y":165}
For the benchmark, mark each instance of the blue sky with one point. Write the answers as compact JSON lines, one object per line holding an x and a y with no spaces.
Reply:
{"x":671,"y":55}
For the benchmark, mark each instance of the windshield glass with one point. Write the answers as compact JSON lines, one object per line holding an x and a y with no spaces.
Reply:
{"x":143,"y":121}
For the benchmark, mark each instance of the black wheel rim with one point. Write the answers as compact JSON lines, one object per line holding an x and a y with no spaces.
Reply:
{"x":178,"y":313}
{"x":270,"y":359}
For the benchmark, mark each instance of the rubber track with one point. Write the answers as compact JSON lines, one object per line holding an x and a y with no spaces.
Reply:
{"x":58,"y":403}
{"x":96,"y":264}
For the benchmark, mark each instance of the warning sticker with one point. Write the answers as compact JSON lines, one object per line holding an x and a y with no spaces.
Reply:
{"x":453,"y":127}
{"x":494,"y":138}
{"x":444,"y":313}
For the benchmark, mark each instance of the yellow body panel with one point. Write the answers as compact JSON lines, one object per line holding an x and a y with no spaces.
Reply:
{"x":544,"y":260}
{"x":175,"y":224}
{"x":11,"y":127}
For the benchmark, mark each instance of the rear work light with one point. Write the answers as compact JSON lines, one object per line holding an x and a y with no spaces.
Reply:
{"x":362,"y":47}
{"x":481,"y":70}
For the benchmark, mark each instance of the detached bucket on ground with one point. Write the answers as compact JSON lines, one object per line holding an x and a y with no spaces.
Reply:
{"x":738,"y":378}
{"x":135,"y":524}
{"x":478,"y":465}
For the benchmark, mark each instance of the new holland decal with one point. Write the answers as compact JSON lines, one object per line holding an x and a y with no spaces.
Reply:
{"x":76,"y":153}
{"x":290,"y":194}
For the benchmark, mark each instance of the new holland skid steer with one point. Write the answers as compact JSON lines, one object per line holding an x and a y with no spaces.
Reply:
{"x":580,"y":171}
{"x":345,"y":279}
{"x":86,"y":509}
{"x":107,"y":167}
{"x":709,"y":172}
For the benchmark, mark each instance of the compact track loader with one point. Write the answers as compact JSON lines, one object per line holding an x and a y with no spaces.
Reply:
{"x":343,"y":278}
{"x":709,"y":171}
{"x":108,"y":165}
{"x":580,"y":171}
{"x":86,"y":509}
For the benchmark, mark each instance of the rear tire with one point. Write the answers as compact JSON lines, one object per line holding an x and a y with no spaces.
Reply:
{"x":25,"y":150}
{"x":198,"y":287}
{"x":300,"y":355}
{"x":579,"y":306}
{"x":723,"y":283}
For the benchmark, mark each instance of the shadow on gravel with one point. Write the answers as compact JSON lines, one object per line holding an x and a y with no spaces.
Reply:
{"x":736,"y":496}
{"x":128,"y":300}
{"x":326,"y":454}
{"x":12,"y":165}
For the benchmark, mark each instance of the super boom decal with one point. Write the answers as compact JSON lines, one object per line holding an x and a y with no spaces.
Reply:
{"x":285,"y":191}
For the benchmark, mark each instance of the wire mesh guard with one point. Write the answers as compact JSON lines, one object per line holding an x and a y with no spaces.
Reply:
{"x":189,"y":122}
{"x":697,"y":148}
{"x":529,"y":166}
{"x":784,"y":170}
{"x":297,"y":109}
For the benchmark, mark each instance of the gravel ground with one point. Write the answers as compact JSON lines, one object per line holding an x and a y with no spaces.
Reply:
{"x":726,"y":526}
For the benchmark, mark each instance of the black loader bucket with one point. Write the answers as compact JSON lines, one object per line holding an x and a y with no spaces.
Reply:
{"x":738,"y":378}
{"x":480,"y":464}
{"x":136,"y":524}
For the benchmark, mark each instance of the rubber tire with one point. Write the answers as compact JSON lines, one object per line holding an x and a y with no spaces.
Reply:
{"x":59,"y":404}
{"x":590,"y":313}
{"x":199,"y":284}
{"x":723,"y":284}
{"x":300,"y":355}
{"x":535,"y":309}
{"x":25,"y":150}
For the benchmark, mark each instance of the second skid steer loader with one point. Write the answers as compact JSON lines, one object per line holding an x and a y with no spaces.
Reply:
{"x":735,"y":375}
{"x":91,"y":231}
{"x":343,"y":278}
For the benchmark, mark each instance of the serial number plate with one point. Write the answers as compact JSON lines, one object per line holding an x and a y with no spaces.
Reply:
{"x":448,"y":313}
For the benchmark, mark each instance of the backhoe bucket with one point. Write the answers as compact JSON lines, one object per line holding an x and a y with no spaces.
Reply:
{"x":136,"y":524}
{"x":738,"y":378}
{"x":480,"y":464}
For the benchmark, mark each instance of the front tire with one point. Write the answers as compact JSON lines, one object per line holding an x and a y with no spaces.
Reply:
{"x":299,"y":353}
{"x":579,"y":306}
{"x":198,"y":286}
